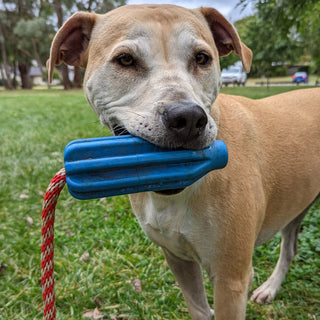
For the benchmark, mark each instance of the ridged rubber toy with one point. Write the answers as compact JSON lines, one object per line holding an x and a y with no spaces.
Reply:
{"x":109,"y":166}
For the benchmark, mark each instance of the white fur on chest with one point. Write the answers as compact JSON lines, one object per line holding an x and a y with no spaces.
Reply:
{"x":169,"y":222}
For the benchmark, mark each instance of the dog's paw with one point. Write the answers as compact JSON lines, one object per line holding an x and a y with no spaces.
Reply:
{"x":264,"y":294}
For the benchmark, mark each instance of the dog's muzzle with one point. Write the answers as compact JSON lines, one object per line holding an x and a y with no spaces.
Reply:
{"x":119,"y":131}
{"x":184,"y":121}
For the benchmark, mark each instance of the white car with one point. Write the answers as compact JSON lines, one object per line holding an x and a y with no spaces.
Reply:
{"x":234,"y":75}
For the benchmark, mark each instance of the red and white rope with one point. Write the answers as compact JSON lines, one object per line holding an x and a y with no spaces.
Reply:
{"x":47,"y":245}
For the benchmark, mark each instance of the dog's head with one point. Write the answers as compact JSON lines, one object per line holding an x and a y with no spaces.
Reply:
{"x":152,"y":70}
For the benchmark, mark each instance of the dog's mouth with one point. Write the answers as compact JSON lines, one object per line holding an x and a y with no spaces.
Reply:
{"x":170,"y":192}
{"x":121,"y":131}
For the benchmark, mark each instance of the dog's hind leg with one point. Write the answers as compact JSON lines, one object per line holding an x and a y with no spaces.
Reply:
{"x":289,"y":248}
{"x":189,"y":277}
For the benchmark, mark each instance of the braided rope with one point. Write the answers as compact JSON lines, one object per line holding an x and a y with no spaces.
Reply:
{"x":47,"y":247}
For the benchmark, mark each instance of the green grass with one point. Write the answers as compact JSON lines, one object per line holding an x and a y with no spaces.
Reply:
{"x":259,"y":91}
{"x":35,"y":127}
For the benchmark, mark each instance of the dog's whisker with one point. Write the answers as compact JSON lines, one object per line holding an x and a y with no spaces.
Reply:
{"x":123,"y":132}
{"x":136,"y":113}
{"x":119,"y":130}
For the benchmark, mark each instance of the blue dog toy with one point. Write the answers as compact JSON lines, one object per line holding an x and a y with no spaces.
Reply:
{"x":103,"y":167}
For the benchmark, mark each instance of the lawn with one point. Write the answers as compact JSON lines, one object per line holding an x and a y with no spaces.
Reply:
{"x":259,"y":91}
{"x":35,"y":127}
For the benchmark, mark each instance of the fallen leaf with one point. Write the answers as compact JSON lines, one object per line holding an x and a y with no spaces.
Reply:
{"x":23,"y":196}
{"x":136,"y":284}
{"x":93,"y":314}
{"x":85,"y":257}
{"x":56,"y":153}
{"x":69,"y":233}
{"x":30,"y":221}
{"x":3,"y":266}
{"x":103,"y":200}
{"x":98,"y":301}
{"x":39,"y":283}
{"x":97,"y":314}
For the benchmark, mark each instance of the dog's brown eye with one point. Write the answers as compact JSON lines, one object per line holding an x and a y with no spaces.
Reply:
{"x":125,"y":59}
{"x":202,"y":59}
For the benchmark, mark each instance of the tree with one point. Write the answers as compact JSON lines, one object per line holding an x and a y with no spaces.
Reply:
{"x":57,"y":5}
{"x":97,"y":7}
{"x":18,"y":52}
{"x":290,"y":21}
{"x":64,"y":8}
{"x":268,"y":45}
{"x":26,"y":32}
{"x":4,"y":72}
{"x":33,"y":39}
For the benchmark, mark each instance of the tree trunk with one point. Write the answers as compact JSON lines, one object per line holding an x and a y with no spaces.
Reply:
{"x":3,"y":77}
{"x":64,"y":69}
{"x":14,"y":81}
{"x":6,"y":74}
{"x":39,"y":63}
{"x":24,"y":68}
{"x":65,"y":77}
{"x":77,"y":77}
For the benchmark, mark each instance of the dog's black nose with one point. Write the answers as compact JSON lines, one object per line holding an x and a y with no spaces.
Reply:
{"x":186,"y":121}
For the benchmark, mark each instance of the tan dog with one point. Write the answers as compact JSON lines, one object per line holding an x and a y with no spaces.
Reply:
{"x":153,"y":71}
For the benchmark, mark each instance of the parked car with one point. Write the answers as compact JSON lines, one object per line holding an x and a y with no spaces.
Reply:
{"x":234,"y":75}
{"x":300,"y":77}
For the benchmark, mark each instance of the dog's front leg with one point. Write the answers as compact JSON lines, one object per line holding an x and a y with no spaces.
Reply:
{"x":230,"y":294}
{"x":189,"y":277}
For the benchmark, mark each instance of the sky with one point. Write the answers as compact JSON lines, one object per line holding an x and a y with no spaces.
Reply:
{"x":226,"y":7}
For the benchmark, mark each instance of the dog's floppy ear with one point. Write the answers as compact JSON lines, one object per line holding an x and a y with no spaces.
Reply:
{"x":71,"y":41}
{"x":226,"y":37}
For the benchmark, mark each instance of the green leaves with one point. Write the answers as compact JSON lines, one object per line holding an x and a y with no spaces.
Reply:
{"x":282,"y":31}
